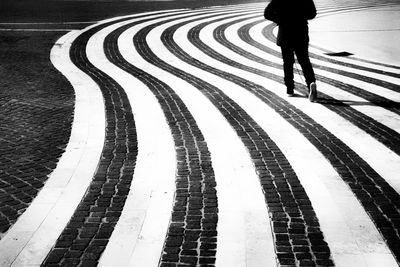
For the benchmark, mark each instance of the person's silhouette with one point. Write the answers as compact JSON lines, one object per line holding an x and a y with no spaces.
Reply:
{"x":292,"y":18}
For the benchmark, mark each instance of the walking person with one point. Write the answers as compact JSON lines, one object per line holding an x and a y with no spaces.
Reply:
{"x":292,"y":18}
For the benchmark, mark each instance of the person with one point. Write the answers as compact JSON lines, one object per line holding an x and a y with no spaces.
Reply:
{"x":292,"y":17}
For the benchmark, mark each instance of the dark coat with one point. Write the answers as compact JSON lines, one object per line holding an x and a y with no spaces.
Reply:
{"x":292,"y":18}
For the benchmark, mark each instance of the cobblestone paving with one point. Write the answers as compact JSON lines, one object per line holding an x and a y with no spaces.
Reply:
{"x":35,"y":128}
{"x":36,"y":112}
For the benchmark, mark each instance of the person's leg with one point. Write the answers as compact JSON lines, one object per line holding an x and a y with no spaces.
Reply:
{"x":304,"y":60}
{"x":305,"y":63}
{"x":288,"y":61}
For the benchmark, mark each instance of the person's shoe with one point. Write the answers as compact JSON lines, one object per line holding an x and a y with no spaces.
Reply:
{"x":313,"y":92}
{"x":290,"y":92}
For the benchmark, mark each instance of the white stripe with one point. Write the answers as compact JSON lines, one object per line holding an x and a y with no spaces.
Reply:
{"x":239,"y":199}
{"x":370,"y":74}
{"x":352,"y":243}
{"x":379,"y":114}
{"x":368,"y":87}
{"x":37,"y":229}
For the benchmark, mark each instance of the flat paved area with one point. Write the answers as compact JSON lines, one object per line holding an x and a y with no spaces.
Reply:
{"x":164,"y":137}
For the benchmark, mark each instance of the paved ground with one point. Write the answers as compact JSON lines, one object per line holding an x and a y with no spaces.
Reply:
{"x":166,"y":137}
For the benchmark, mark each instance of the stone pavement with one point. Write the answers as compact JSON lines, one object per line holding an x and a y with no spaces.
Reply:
{"x":182,"y":149}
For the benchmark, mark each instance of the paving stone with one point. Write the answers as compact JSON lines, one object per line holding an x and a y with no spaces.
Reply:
{"x":56,"y":255}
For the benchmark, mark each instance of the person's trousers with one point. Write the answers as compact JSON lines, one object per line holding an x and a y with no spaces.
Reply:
{"x":301,"y":52}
